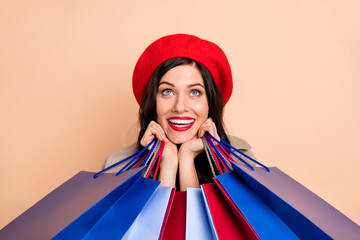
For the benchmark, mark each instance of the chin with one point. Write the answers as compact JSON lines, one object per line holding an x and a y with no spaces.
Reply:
{"x":180,"y":139}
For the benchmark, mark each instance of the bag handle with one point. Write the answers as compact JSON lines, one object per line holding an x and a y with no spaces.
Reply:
{"x":210,"y":157}
{"x":135,"y":158}
{"x":221,"y":161}
{"x":157,"y":159}
{"x":221,"y":156}
{"x":139,"y":158}
{"x":232,"y":150}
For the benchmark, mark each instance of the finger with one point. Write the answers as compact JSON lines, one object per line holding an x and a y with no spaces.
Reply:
{"x":213,"y":131}
{"x":146,"y":139}
{"x":149,"y":134}
{"x":202,"y":129}
{"x":208,"y":121}
{"x":160,"y":133}
{"x":208,"y":127}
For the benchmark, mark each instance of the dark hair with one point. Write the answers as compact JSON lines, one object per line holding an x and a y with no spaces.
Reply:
{"x":147,"y":111}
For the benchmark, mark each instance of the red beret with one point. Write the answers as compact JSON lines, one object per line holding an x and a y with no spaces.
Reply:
{"x":183,"y":45}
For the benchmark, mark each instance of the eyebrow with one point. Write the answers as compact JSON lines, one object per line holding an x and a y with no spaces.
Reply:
{"x":189,"y":86}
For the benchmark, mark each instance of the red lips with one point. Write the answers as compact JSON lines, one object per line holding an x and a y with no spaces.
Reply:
{"x":181,"y":124}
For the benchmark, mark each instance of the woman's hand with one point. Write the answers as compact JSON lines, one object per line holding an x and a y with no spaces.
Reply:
{"x":153,"y":130}
{"x":169,"y":161}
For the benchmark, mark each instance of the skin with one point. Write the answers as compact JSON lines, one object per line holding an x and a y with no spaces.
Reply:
{"x":181,"y":93}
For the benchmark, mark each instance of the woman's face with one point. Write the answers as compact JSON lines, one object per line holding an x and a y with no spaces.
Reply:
{"x":181,"y":103}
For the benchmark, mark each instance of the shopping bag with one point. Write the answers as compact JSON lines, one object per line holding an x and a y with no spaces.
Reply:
{"x":149,"y":222}
{"x":112,"y":217}
{"x":309,"y":216}
{"x":64,"y":204}
{"x":256,"y":212}
{"x":175,"y":227}
{"x":197,"y":222}
{"x":167,"y":213}
{"x":226,"y":223}
{"x":118,"y":219}
{"x":306,"y":214}
{"x":242,"y":199}
{"x":208,"y":211}
{"x":82,"y":225}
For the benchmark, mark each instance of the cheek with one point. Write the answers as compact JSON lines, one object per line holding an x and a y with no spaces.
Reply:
{"x":161,"y":110}
{"x":202,"y":110}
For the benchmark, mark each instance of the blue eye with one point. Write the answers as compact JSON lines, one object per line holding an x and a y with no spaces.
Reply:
{"x":195,"y":93}
{"x":167,"y":92}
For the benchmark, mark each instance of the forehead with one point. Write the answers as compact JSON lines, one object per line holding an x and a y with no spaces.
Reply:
{"x":183,"y":75}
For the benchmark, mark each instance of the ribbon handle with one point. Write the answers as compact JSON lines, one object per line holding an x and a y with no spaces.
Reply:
{"x":232,"y":150}
{"x":135,"y":159}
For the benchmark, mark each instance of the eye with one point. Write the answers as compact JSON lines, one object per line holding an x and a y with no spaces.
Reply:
{"x":195,"y":93}
{"x":166,"y":92}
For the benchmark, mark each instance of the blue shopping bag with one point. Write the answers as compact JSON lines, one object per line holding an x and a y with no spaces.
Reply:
{"x":197,"y":223}
{"x":306,"y":214}
{"x":208,"y":211}
{"x":259,"y":215}
{"x":116,"y":212}
{"x":119,"y":218}
{"x":149,"y":223}
{"x":265,"y":223}
{"x":309,"y":216}
{"x":81,"y":225}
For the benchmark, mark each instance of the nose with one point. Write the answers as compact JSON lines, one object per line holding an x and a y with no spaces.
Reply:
{"x":180,"y":104}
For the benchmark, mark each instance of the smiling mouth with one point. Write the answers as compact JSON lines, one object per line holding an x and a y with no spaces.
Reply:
{"x":181,"y":124}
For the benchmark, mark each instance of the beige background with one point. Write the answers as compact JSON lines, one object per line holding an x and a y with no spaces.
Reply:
{"x":66,"y":100}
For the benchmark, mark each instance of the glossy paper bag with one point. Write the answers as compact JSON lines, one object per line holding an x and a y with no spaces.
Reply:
{"x":149,"y":222}
{"x":119,"y":218}
{"x":82,"y":225}
{"x":64,"y":204}
{"x":309,"y":216}
{"x":257,"y":213}
{"x":197,"y":222}
{"x":175,"y":227}
{"x":228,"y":223}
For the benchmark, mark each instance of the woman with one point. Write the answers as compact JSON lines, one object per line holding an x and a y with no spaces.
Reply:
{"x":182,"y":83}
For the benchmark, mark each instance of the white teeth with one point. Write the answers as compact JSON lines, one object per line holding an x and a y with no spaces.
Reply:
{"x":181,"y":121}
